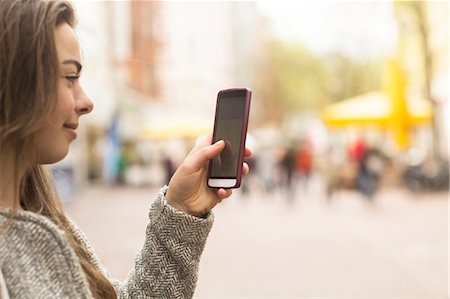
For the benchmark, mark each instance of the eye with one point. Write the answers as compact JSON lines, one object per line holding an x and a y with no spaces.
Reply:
{"x":72,"y":79}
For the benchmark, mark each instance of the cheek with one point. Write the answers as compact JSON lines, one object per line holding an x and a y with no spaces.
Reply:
{"x":51,"y":144}
{"x":65,"y":101}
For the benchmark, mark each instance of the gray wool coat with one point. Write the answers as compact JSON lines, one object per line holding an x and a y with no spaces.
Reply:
{"x":36,"y":260}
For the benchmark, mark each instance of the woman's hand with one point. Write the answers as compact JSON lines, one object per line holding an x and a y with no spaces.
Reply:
{"x":188,"y":190}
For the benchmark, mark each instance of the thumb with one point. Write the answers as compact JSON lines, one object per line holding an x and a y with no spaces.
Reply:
{"x":199,"y":158}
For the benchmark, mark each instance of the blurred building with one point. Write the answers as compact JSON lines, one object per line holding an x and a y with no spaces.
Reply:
{"x":145,"y":44}
{"x":203,"y":47}
{"x":154,"y":66}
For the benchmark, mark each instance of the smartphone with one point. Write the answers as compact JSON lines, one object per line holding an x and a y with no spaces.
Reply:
{"x":230,"y":125}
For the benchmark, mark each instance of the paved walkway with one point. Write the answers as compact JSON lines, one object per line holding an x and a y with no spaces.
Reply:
{"x":264,"y":246}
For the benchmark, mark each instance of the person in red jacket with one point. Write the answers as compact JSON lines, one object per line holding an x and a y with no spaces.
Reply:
{"x":304,"y":163}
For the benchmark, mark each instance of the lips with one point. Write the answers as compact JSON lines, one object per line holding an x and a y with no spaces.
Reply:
{"x":71,"y":126}
{"x":71,"y":129}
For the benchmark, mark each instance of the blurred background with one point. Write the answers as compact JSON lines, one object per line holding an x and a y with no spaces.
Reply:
{"x":348,"y":193}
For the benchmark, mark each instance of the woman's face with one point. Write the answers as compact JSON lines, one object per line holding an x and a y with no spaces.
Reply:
{"x":60,"y":128}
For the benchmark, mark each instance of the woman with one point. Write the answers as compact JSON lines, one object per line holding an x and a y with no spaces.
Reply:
{"x":42,"y":253}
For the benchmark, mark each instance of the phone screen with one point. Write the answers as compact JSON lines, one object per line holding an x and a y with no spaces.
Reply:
{"x":229,"y":128}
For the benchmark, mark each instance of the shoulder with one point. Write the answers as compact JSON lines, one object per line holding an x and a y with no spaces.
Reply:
{"x":28,"y":227}
{"x":36,"y":257}
{"x":27,"y":233}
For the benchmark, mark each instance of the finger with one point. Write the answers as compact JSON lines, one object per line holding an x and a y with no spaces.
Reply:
{"x":223,"y":193}
{"x":245,"y":168}
{"x":248,"y":152}
{"x":200,"y":142}
{"x":198,"y":159}
{"x":203,"y":140}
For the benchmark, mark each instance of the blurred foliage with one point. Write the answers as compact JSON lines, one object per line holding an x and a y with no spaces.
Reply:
{"x":348,"y":77}
{"x":296,"y":80}
{"x":299,"y":77}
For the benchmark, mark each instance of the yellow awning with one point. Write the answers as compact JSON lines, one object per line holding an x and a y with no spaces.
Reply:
{"x":373,"y":108}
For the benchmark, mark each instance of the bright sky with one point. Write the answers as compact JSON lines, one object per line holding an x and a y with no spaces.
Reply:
{"x":363,"y":29}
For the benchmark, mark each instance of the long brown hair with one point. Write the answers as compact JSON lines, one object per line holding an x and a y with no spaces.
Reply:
{"x":29,"y":75}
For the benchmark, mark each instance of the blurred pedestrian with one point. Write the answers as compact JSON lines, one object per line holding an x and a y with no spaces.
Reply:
{"x":124,"y":163}
{"x":169,"y":168}
{"x":357,"y":150}
{"x":370,"y":169}
{"x":43,"y":254}
{"x":288,"y":166}
{"x":304,"y":162}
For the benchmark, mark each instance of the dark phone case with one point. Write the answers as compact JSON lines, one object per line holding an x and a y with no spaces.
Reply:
{"x":244,"y":130}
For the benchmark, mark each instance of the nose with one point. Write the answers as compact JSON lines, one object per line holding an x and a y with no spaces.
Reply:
{"x":84,"y":105}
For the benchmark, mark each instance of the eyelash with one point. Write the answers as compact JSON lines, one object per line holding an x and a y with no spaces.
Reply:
{"x":72,"y":79}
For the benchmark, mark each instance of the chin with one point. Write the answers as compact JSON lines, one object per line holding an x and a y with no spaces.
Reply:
{"x":53,"y":157}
